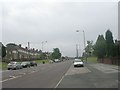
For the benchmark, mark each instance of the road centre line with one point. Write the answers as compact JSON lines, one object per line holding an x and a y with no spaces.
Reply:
{"x":62,"y":77}
{"x":59,"y":81}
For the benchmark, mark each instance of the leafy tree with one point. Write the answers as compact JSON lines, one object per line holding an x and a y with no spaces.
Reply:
{"x":109,"y":43}
{"x":43,"y":56}
{"x":116,"y":48}
{"x":56,"y":53}
{"x":100,"y":47}
{"x":2,"y":50}
{"x":89,"y":48}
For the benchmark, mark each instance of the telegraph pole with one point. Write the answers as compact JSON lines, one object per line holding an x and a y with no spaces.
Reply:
{"x":84,"y":43}
{"x":84,"y":38}
{"x":29,"y":50}
{"x":76,"y":51}
{"x":28,"y":45}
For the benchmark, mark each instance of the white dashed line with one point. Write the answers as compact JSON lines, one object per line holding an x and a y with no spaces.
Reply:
{"x":62,"y":78}
{"x":13,"y":77}
{"x":59,"y":81}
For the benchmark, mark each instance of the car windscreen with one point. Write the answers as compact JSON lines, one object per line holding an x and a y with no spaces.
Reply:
{"x":78,"y":61}
{"x":23,"y":62}
{"x":12,"y":62}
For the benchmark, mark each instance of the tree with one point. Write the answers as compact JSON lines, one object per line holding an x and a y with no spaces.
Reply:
{"x":100,"y":47}
{"x":117,"y":48}
{"x":109,"y":43}
{"x":89,"y":48}
{"x":2,"y":50}
{"x":56,"y":53}
{"x":43,"y":56}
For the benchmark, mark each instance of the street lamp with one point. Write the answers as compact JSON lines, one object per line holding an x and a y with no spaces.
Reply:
{"x":83,"y":36}
{"x":84,"y":41}
{"x":76,"y":50}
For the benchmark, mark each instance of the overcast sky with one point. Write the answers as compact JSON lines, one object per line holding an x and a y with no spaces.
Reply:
{"x":56,"y":22}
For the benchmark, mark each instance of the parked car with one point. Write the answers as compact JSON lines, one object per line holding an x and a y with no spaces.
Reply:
{"x":25,"y":64}
{"x":14,"y":65}
{"x":50,"y":61}
{"x":78,"y":62}
{"x":56,"y":60}
{"x":33,"y":63}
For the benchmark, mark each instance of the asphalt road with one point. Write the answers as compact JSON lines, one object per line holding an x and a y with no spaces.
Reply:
{"x":43,"y":76}
{"x":63,"y":75}
{"x":91,"y":76}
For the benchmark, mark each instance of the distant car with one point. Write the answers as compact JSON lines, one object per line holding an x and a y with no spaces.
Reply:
{"x":50,"y":61}
{"x":25,"y":64}
{"x":57,"y":60}
{"x":14,"y":65}
{"x":33,"y":63}
{"x":78,"y":62}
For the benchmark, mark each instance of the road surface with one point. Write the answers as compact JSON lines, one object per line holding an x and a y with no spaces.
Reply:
{"x":45,"y":76}
{"x":63,"y":75}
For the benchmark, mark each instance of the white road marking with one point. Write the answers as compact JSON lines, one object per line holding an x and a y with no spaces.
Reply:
{"x":59,"y":81}
{"x":13,"y":77}
{"x":32,"y":72}
{"x":62,"y":78}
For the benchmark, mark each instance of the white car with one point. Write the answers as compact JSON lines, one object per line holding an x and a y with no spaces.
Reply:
{"x":50,"y":61}
{"x":78,"y":62}
{"x":14,"y":65}
{"x":57,"y":60}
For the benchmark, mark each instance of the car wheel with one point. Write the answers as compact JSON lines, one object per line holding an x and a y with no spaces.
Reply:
{"x":8,"y":68}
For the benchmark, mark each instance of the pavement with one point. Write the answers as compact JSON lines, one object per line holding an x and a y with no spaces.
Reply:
{"x":63,"y":75}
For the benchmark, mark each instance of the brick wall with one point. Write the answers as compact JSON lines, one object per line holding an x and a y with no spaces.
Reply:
{"x":114,"y":61}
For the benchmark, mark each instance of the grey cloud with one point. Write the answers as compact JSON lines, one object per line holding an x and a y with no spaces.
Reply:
{"x":57,"y":23}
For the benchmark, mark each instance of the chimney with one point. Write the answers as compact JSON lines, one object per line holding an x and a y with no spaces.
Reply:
{"x":20,"y":45}
{"x":33,"y":49}
{"x":26,"y":48}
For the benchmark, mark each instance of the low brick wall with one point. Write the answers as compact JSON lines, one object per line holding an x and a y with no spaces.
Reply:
{"x":114,"y":61}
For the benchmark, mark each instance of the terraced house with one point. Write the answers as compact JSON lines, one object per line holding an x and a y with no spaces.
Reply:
{"x":16,"y":52}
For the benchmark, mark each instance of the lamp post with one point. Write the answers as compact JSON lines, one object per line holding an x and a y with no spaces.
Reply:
{"x":83,"y":37}
{"x":76,"y":50}
{"x":29,"y":50}
{"x":84,"y":41}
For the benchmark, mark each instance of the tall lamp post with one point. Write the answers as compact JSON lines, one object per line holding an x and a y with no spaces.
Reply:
{"x":84,"y":41}
{"x":76,"y":50}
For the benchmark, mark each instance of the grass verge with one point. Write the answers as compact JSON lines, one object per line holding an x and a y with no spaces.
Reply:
{"x":92,"y":59}
{"x":40,"y":61}
{"x":3,"y":66}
